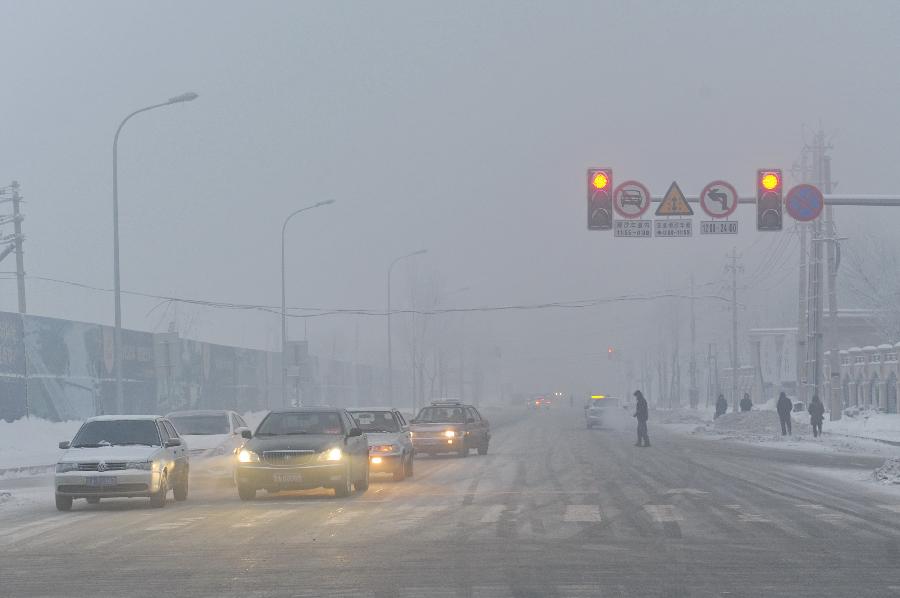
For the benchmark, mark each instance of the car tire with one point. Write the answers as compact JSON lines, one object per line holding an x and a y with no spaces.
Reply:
{"x":246,"y":492}
{"x":63,"y":503}
{"x":343,"y":489}
{"x":93,"y":500}
{"x":158,"y":499}
{"x":400,"y":470}
{"x":363,"y":484}
{"x":409,"y":466}
{"x":483,"y":449}
{"x":181,"y":490}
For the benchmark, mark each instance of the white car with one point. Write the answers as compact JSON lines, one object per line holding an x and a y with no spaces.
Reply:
{"x":213,"y":437}
{"x":122,"y":456}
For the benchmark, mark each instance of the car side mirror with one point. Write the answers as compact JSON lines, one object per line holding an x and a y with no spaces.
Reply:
{"x":65,"y":444}
{"x":246,"y":433}
{"x":173,"y":442}
{"x":354,"y":432}
{"x":240,"y":431}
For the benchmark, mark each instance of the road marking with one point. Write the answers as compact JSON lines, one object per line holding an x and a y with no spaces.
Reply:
{"x":831,"y":517}
{"x":753,"y":518}
{"x":894,"y":508}
{"x":262,"y":518}
{"x":691,"y":491}
{"x":492,"y":513}
{"x":582,"y":514}
{"x":663,"y":513}
{"x":432,"y":592}
{"x":341,"y":516}
{"x":492,"y":592}
{"x":810,"y":505}
{"x":579,"y":591}
{"x":170,"y":525}
{"x":44,"y":525}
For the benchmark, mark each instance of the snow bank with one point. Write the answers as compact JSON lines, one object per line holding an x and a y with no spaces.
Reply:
{"x":889,"y":473}
{"x":866,"y":424}
{"x":29,"y":445}
{"x":757,"y":423}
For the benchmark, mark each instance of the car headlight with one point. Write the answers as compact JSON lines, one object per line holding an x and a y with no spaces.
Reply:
{"x":64,"y":467}
{"x":247,"y":456}
{"x":450,"y":434}
{"x":145,"y":465}
{"x":333,"y":454}
{"x":383,"y":448}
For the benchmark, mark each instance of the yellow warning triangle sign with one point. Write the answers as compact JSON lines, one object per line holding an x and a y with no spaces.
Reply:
{"x":674,"y":203}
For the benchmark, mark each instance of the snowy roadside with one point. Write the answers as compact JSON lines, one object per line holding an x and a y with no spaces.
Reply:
{"x":871,"y":434}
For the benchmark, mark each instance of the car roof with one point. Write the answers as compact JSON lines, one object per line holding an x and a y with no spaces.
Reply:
{"x":200,"y":412}
{"x":109,"y":418}
{"x":357,"y":409}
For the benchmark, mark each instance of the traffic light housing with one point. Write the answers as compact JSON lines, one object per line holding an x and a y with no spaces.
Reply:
{"x":769,"y":199}
{"x":599,"y":196}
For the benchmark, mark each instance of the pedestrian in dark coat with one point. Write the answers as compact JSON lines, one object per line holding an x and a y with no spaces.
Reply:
{"x":746,"y":403}
{"x":721,"y":406}
{"x":816,"y":415}
{"x":784,"y":408}
{"x":642,"y":413}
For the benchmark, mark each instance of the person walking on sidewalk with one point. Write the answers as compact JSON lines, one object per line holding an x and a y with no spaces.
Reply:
{"x":746,"y":403}
{"x":816,"y":415}
{"x":642,"y":413}
{"x":721,"y":406}
{"x":784,"y":408}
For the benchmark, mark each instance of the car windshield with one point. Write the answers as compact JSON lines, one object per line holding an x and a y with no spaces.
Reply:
{"x":441,"y":415}
{"x":117,"y":432}
{"x":321,"y":422}
{"x":376,"y":421}
{"x":200,"y":425}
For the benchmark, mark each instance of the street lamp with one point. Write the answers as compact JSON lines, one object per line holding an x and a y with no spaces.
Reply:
{"x":283,"y":308}
{"x":117,"y":332}
{"x":389,"y":348}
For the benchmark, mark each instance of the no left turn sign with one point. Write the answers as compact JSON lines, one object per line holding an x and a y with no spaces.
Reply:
{"x":719,"y":199}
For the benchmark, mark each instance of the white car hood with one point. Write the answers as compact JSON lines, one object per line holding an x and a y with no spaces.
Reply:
{"x":109,"y":453}
{"x":204,"y":441}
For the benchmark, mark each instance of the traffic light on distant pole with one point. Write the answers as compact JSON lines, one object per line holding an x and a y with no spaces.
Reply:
{"x":769,"y":203}
{"x":599,"y":196}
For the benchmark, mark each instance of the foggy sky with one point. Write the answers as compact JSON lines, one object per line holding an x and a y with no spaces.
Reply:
{"x":464,"y":128}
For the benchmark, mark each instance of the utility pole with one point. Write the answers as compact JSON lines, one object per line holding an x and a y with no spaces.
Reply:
{"x":693,"y":392}
{"x":734,"y":329}
{"x":802,"y":171}
{"x":834,"y":254}
{"x":20,"y":260}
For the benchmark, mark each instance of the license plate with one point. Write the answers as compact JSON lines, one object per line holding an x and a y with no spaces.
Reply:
{"x":288,"y":478}
{"x":100,"y":481}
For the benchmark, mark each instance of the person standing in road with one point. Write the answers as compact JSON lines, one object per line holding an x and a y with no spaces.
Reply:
{"x":816,"y":415}
{"x":784,"y":408}
{"x":721,"y":406}
{"x":746,"y":403}
{"x":642,"y":413}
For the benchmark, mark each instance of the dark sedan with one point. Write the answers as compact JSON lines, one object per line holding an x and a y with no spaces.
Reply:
{"x":296,"y":449}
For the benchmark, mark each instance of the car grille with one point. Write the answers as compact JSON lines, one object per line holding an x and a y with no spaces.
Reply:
{"x":110,"y":466}
{"x":289,"y":458}
{"x":81,"y":489}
